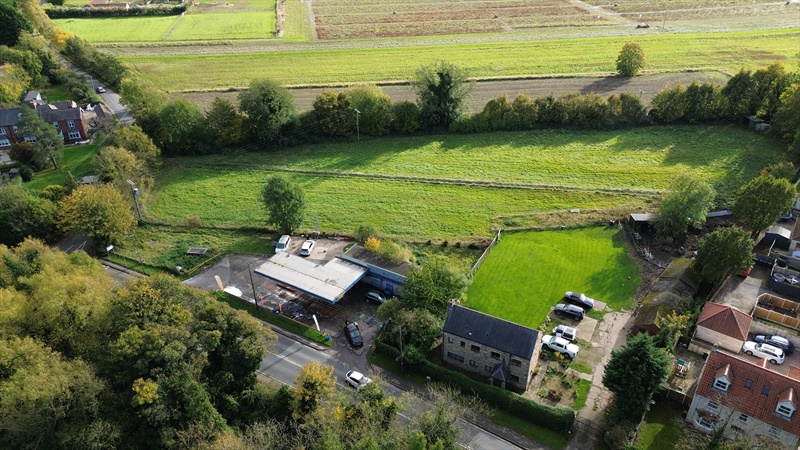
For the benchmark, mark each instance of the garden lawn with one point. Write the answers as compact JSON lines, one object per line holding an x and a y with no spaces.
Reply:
{"x":660,"y":431}
{"x":216,"y":26}
{"x":119,"y":29}
{"x":77,"y":159}
{"x":720,"y":51}
{"x":527,"y":273}
{"x":460,"y":187}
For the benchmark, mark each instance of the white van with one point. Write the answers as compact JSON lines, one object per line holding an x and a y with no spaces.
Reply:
{"x":283,"y":243}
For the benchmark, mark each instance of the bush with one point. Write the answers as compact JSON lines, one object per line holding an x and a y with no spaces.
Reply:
{"x":394,"y":252}
{"x":26,"y":173}
{"x":406,"y":118}
{"x":372,"y":244}
{"x":364,"y":232}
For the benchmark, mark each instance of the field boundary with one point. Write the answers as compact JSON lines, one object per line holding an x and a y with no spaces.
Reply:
{"x":478,"y":263}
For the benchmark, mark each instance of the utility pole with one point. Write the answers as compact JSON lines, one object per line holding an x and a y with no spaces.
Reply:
{"x":358,"y":131}
{"x":401,"y":347}
{"x":135,"y":192}
{"x":252,"y":285}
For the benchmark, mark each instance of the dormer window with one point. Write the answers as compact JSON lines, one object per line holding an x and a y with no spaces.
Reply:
{"x":722,"y":378}
{"x":786,"y":404}
{"x":721,"y":384}
{"x":71,"y":123}
{"x":784,"y":410}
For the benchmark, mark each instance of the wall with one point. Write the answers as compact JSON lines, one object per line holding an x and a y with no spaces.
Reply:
{"x":712,"y":337}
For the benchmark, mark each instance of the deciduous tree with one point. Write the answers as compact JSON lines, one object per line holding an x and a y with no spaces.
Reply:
{"x":762,"y":201}
{"x":181,"y":129}
{"x":312,"y":386}
{"x":432,"y":285}
{"x":723,"y":252}
{"x":442,"y":89}
{"x":333,"y":114}
{"x":686,"y":205}
{"x":23,"y":215}
{"x":49,"y":144}
{"x":13,"y":22}
{"x":225,"y":123}
{"x":634,"y":373}
{"x":285,"y":203}
{"x":630,"y":60}
{"x":133,"y":139}
{"x":99,"y":211}
{"x":376,"y":109}
{"x":268,"y":106}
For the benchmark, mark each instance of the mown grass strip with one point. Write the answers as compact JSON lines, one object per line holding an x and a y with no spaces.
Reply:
{"x":215,"y":26}
{"x":119,"y":29}
{"x":725,"y":51}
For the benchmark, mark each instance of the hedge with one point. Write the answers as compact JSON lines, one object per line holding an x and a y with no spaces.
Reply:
{"x":555,"y":418}
{"x":68,"y":12}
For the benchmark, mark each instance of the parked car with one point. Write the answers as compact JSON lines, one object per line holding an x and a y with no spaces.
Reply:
{"x":357,"y":379}
{"x":565,"y":332}
{"x":353,"y":335}
{"x":375,"y":297}
{"x":307,"y":247}
{"x":776,"y":341}
{"x":283,"y":243}
{"x":560,"y":345}
{"x":572,"y":311}
{"x":576,"y":298}
{"x":643,"y":25}
{"x":100,"y":90}
{"x":766,"y":351}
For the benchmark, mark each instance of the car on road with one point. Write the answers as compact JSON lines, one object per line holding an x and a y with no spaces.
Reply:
{"x":283,"y":243}
{"x":560,"y":345}
{"x":643,"y":25}
{"x":776,"y":341}
{"x":375,"y":297}
{"x":307,"y":247}
{"x":353,"y":335}
{"x":566,"y":310}
{"x":576,"y":298}
{"x":565,"y":332}
{"x":766,"y":351}
{"x":357,"y":379}
{"x":100,"y":90}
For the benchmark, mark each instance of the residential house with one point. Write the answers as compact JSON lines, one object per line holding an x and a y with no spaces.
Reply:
{"x":8,"y":126}
{"x":723,"y":326}
{"x":68,"y":119}
{"x":747,"y":399}
{"x":503,"y":351}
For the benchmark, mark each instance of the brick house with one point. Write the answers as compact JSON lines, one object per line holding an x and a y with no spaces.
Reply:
{"x":8,"y":126}
{"x":748,"y":399}
{"x":68,"y":119}
{"x":724,"y":326}
{"x":503,"y":351}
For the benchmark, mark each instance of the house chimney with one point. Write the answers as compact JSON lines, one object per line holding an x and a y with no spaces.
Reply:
{"x":794,"y":373}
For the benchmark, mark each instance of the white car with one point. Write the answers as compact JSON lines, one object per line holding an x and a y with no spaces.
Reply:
{"x":308,"y":245}
{"x":565,"y":332}
{"x":560,"y":345}
{"x":357,"y":379}
{"x":766,"y":351}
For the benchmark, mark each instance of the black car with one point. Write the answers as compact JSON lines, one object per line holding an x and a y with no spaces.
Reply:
{"x":576,"y":298}
{"x":353,"y":335}
{"x":776,"y":341}
{"x":563,"y":309}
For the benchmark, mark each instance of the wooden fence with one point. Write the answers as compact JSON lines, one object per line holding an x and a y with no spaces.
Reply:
{"x":786,"y":314}
{"x":486,"y":252}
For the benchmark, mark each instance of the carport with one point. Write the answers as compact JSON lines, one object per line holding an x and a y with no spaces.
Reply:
{"x":327,"y":282}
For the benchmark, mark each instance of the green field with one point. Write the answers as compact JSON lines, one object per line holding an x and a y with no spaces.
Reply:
{"x":460,"y":187}
{"x":525,"y":274}
{"x":217,"y":26}
{"x":726,"y":51}
{"x":119,"y":29}
{"x":77,"y":159}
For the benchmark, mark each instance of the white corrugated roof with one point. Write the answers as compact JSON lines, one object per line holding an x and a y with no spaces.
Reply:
{"x":327,"y":281}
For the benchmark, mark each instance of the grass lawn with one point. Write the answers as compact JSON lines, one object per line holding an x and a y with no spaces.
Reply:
{"x":119,"y":29}
{"x":725,"y":51}
{"x":582,"y":393}
{"x":659,"y":431}
{"x":527,"y":273}
{"x":546,"y":436}
{"x":460,"y":187}
{"x":217,"y":26}
{"x":77,"y":159}
{"x":58,"y":93}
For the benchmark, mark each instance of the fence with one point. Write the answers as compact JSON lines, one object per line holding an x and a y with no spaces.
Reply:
{"x":766,"y":309}
{"x":486,"y":252}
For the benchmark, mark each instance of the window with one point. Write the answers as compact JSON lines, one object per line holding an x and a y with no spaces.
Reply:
{"x":784,"y":410}
{"x":495,"y":355}
{"x":721,"y":384}
{"x":748,"y":384}
{"x":516,"y":363}
{"x":16,"y":128}
{"x":765,"y":390}
{"x":5,"y":143}
{"x":3,"y":130}
{"x":71,"y":123}
{"x":55,"y":124}
{"x":712,"y":406}
{"x":74,"y":135}
{"x":515,"y":378}
{"x":705,"y":423}
{"x":475,"y":348}
{"x":30,"y":139}
{"x":743,"y":418}
{"x":737,"y":429}
{"x":473,"y":363}
{"x":488,"y":368}
{"x":773,"y":431}
{"x":455,"y":357}
{"x":449,"y":339}
{"x":463,"y":344}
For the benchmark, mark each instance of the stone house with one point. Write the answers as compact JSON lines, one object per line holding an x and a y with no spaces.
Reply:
{"x":723,"y":326}
{"x":747,"y":399}
{"x":503,"y":351}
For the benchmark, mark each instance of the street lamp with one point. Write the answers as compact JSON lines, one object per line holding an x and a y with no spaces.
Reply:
{"x":135,"y":193}
{"x":358,"y":132}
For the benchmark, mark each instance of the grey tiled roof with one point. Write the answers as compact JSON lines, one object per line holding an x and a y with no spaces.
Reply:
{"x":54,"y":115}
{"x":9,"y":116}
{"x":490,"y":331}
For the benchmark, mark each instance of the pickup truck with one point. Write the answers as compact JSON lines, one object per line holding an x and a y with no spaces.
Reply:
{"x":565,"y":332}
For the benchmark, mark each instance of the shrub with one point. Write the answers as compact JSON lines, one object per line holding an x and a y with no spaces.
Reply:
{"x":364,"y":232}
{"x":394,"y":252}
{"x":406,"y":117}
{"x":26,"y":173}
{"x":54,"y":192}
{"x":372,"y":244}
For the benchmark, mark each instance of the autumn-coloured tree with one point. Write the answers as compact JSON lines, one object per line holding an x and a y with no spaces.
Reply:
{"x":99,"y":211}
{"x":312,"y":386}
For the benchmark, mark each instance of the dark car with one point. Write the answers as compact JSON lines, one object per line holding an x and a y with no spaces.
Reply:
{"x":375,"y":297}
{"x":576,"y":298}
{"x":776,"y":341}
{"x":563,"y":309}
{"x":353,"y":335}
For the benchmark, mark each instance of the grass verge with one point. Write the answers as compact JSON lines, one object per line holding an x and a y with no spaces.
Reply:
{"x":550,"y":438}
{"x":581,"y":393}
{"x":581,"y":367}
{"x":282,"y":322}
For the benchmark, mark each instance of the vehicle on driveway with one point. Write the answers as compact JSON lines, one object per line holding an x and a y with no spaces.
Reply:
{"x":572,"y":311}
{"x":283,"y":243}
{"x":776,"y":341}
{"x":357,"y":379}
{"x":576,"y":298}
{"x":560,"y":345}
{"x":375,"y":297}
{"x":766,"y":351}
{"x":353,"y":335}
{"x":565,"y":332}
{"x":307,"y":247}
